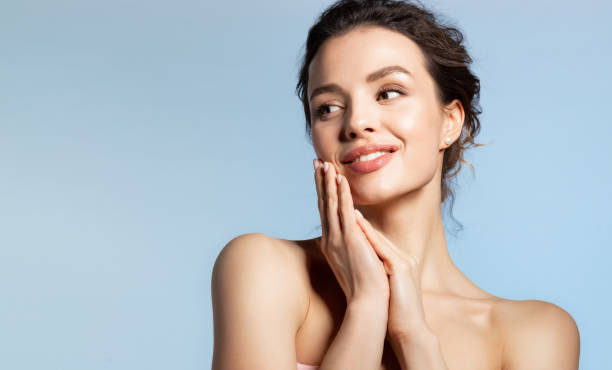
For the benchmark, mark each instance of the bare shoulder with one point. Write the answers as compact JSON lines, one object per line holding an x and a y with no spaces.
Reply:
{"x":265,"y":253}
{"x":258,"y":255}
{"x":537,"y":335}
{"x":262,"y":245}
{"x":256,"y":292}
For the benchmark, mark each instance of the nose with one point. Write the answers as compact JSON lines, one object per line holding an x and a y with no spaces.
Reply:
{"x":360,"y":120}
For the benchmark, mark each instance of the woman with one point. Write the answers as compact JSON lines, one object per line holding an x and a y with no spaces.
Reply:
{"x":390,"y":106}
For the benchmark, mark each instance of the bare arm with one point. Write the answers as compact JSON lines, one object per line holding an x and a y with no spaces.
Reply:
{"x":360,"y":341}
{"x":419,"y":351}
{"x":544,"y":336}
{"x":258,"y":305}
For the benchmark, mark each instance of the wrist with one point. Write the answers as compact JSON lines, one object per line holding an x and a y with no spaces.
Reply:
{"x":421,"y":350}
{"x":369,"y":305}
{"x":420,"y":337}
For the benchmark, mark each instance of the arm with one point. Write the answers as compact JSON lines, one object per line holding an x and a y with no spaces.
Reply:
{"x":544,"y":337}
{"x":258,"y":305}
{"x":415,"y":345}
{"x":360,"y":341}
{"x":419,"y":351}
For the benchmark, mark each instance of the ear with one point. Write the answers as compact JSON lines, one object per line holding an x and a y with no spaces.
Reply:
{"x":453,"y":123}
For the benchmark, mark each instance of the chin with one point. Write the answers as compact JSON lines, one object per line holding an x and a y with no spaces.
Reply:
{"x":373,"y":193}
{"x":380,"y":190}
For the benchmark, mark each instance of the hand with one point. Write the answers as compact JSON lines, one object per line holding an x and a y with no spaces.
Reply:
{"x":359,"y":271}
{"x":406,"y":314}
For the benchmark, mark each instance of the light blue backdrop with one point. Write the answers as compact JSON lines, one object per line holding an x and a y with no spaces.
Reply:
{"x":138,"y":137}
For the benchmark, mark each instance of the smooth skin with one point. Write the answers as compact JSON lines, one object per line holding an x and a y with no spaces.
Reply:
{"x":279,"y":301}
{"x":351,"y":245}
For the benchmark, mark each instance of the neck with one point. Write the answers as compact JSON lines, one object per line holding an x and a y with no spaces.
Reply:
{"x":413,"y":223}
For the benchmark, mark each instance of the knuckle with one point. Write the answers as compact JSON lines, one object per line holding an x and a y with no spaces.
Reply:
{"x":336,"y":241}
{"x":320,"y":203}
{"x":348,"y":238}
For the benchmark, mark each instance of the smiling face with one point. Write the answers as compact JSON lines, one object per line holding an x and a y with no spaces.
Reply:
{"x":363,"y":107}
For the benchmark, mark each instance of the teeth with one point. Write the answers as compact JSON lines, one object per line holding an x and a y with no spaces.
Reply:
{"x":369,"y":157}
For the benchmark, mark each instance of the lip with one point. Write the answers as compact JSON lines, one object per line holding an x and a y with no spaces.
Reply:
{"x":371,"y":165}
{"x":367,"y":149}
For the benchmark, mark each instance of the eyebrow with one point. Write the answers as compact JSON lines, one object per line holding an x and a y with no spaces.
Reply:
{"x":378,"y":74}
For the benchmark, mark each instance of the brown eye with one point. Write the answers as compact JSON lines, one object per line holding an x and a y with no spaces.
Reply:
{"x":387,"y":91}
{"x":322,"y":108}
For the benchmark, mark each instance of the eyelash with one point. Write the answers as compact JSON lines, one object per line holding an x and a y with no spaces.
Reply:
{"x":320,"y":113}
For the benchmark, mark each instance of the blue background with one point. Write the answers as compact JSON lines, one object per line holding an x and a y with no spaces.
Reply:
{"x":138,"y":137}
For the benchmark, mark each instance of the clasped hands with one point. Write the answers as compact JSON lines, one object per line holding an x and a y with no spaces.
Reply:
{"x":364,"y":261}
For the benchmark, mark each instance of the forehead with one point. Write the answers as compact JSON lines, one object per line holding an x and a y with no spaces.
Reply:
{"x":351,"y":57}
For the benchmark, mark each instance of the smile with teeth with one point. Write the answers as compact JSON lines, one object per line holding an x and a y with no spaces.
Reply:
{"x":369,"y":157}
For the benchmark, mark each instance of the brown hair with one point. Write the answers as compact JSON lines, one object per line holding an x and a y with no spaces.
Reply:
{"x":446,"y":59}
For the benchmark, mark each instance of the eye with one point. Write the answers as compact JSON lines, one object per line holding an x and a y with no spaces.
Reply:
{"x":320,"y":110}
{"x":388,"y":90}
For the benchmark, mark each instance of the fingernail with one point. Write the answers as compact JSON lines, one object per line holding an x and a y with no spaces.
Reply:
{"x":359,"y":213}
{"x":338,"y":178}
{"x":315,"y":163}
{"x":325,"y":167}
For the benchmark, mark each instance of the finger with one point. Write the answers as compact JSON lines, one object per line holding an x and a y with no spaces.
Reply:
{"x":320,"y":185}
{"x":379,"y":242}
{"x":331,"y":197}
{"x":371,"y":229}
{"x":345,"y":205}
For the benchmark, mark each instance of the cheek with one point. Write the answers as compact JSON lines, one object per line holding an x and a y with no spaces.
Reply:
{"x":316,"y":140}
{"x":423,"y":151}
{"x":419,"y":131}
{"x":420,"y":136}
{"x":322,"y":143}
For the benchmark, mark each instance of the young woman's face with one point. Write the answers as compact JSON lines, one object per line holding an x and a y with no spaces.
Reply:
{"x":398,"y":108}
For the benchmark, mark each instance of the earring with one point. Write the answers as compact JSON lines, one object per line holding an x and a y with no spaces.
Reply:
{"x":448,"y":140}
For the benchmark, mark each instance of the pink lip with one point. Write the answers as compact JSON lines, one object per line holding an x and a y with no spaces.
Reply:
{"x":371,"y":165}
{"x":367,"y":149}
